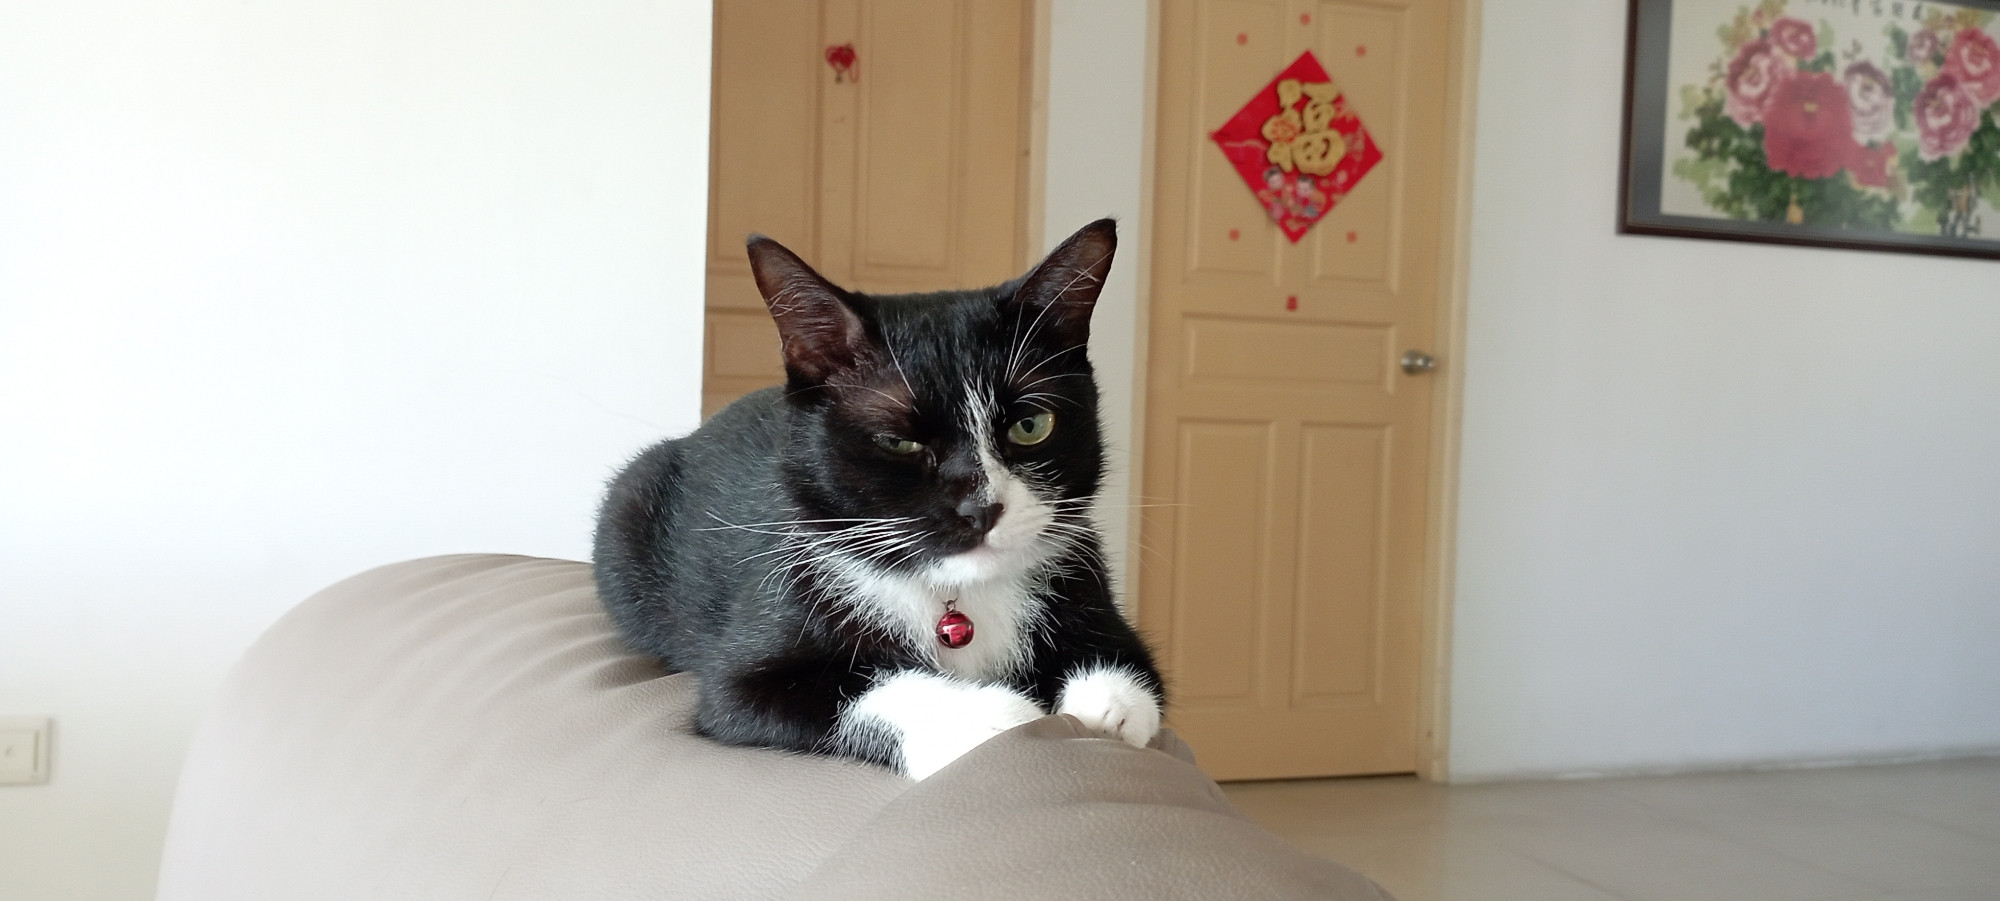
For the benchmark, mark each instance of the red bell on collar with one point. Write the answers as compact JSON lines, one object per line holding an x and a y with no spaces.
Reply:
{"x":954,"y":629}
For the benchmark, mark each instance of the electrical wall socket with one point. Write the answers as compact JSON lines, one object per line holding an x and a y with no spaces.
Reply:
{"x":24,"y":750}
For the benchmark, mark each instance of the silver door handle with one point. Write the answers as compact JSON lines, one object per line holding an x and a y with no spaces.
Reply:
{"x":1416,"y":362}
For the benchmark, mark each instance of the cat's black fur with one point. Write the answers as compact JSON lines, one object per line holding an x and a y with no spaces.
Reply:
{"x":696,"y":545}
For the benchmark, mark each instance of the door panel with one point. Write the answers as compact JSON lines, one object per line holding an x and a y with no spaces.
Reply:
{"x":909,"y":124}
{"x":743,"y":344}
{"x":1343,"y":471}
{"x":766,"y":75}
{"x":762,"y":171}
{"x":1354,"y":247}
{"x":1221,"y":545}
{"x":1226,"y":239}
{"x":1304,"y":549}
{"x":1285,"y":355}
{"x":908,"y":177}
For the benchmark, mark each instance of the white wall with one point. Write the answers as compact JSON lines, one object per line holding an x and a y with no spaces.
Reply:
{"x":1098,"y":140}
{"x":1722,"y":504}
{"x":290,"y":290}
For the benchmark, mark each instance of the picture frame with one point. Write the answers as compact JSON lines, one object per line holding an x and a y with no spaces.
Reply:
{"x":1864,"y":124}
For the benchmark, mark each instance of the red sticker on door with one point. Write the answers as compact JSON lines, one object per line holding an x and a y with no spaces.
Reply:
{"x":1299,"y":146}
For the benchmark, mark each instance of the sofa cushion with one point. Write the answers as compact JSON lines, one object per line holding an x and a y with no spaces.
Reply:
{"x":1048,"y":810}
{"x":470,"y":727}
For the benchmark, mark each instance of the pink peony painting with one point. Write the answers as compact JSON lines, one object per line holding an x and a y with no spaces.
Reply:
{"x":1871,"y":99}
{"x":1795,"y":38}
{"x":1754,"y":77}
{"x":1946,"y":115}
{"x":1808,"y":128}
{"x":1853,"y":122}
{"x":1974,"y":60}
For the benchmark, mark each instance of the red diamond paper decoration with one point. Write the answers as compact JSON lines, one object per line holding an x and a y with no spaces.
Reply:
{"x":1298,"y":146}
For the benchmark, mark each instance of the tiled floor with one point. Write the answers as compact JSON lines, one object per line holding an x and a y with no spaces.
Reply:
{"x":1916,"y":832}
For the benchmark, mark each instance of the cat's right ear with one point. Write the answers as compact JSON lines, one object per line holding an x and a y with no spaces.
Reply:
{"x":1063,"y":287}
{"x":818,"y":332}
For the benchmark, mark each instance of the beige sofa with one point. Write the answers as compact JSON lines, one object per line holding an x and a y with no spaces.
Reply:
{"x":470,"y":728}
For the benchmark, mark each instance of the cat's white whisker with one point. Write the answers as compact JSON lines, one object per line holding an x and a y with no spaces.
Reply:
{"x":902,"y":375}
{"x":1083,"y":274}
{"x":1066,"y":350}
{"x":794,"y":522}
{"x":1021,"y":340}
{"x":1044,"y":361}
{"x":1047,"y":379}
{"x":900,"y":402}
{"x":1052,"y":400}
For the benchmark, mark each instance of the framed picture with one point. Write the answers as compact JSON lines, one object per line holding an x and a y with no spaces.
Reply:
{"x":1844,"y":123}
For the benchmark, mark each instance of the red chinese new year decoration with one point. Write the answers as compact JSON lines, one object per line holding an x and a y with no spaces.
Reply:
{"x":1299,"y":146}
{"x":842,"y":58}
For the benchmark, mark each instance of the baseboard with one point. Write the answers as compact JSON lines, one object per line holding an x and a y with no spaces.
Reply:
{"x":1704,"y":768}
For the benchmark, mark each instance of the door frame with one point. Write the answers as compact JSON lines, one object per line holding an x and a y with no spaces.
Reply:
{"x":1438,"y":593}
{"x":1454,"y":262}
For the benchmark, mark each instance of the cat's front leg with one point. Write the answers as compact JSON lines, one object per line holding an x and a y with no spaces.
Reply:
{"x":928,"y":720}
{"x":1114,"y":700}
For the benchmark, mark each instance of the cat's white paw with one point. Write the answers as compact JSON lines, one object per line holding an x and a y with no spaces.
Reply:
{"x":1113,"y":701}
{"x":936,"y":719}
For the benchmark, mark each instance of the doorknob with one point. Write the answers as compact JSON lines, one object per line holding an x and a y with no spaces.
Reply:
{"x":1416,"y":362}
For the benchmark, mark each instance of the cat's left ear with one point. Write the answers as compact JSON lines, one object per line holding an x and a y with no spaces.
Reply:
{"x":819,"y":333}
{"x":1062,"y":289}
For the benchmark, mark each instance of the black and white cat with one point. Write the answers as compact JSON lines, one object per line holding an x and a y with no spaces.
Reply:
{"x":892,"y":557}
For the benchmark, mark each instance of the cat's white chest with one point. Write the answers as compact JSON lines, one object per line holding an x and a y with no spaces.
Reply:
{"x":1001,"y":644}
{"x":1002,"y":612}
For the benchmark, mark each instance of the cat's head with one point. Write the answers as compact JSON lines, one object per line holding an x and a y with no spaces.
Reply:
{"x":954,"y":435}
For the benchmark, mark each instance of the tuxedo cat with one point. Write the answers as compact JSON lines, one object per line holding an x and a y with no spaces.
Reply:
{"x":891,"y":557}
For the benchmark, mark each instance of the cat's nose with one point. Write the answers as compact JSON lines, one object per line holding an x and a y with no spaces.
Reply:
{"x":978,"y":516}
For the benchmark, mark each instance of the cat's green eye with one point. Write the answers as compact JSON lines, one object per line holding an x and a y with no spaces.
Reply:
{"x":895,"y":445}
{"x":1032,"y":429}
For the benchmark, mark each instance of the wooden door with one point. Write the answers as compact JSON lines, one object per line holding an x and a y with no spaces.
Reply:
{"x":1286,"y":450}
{"x":905,"y":174}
